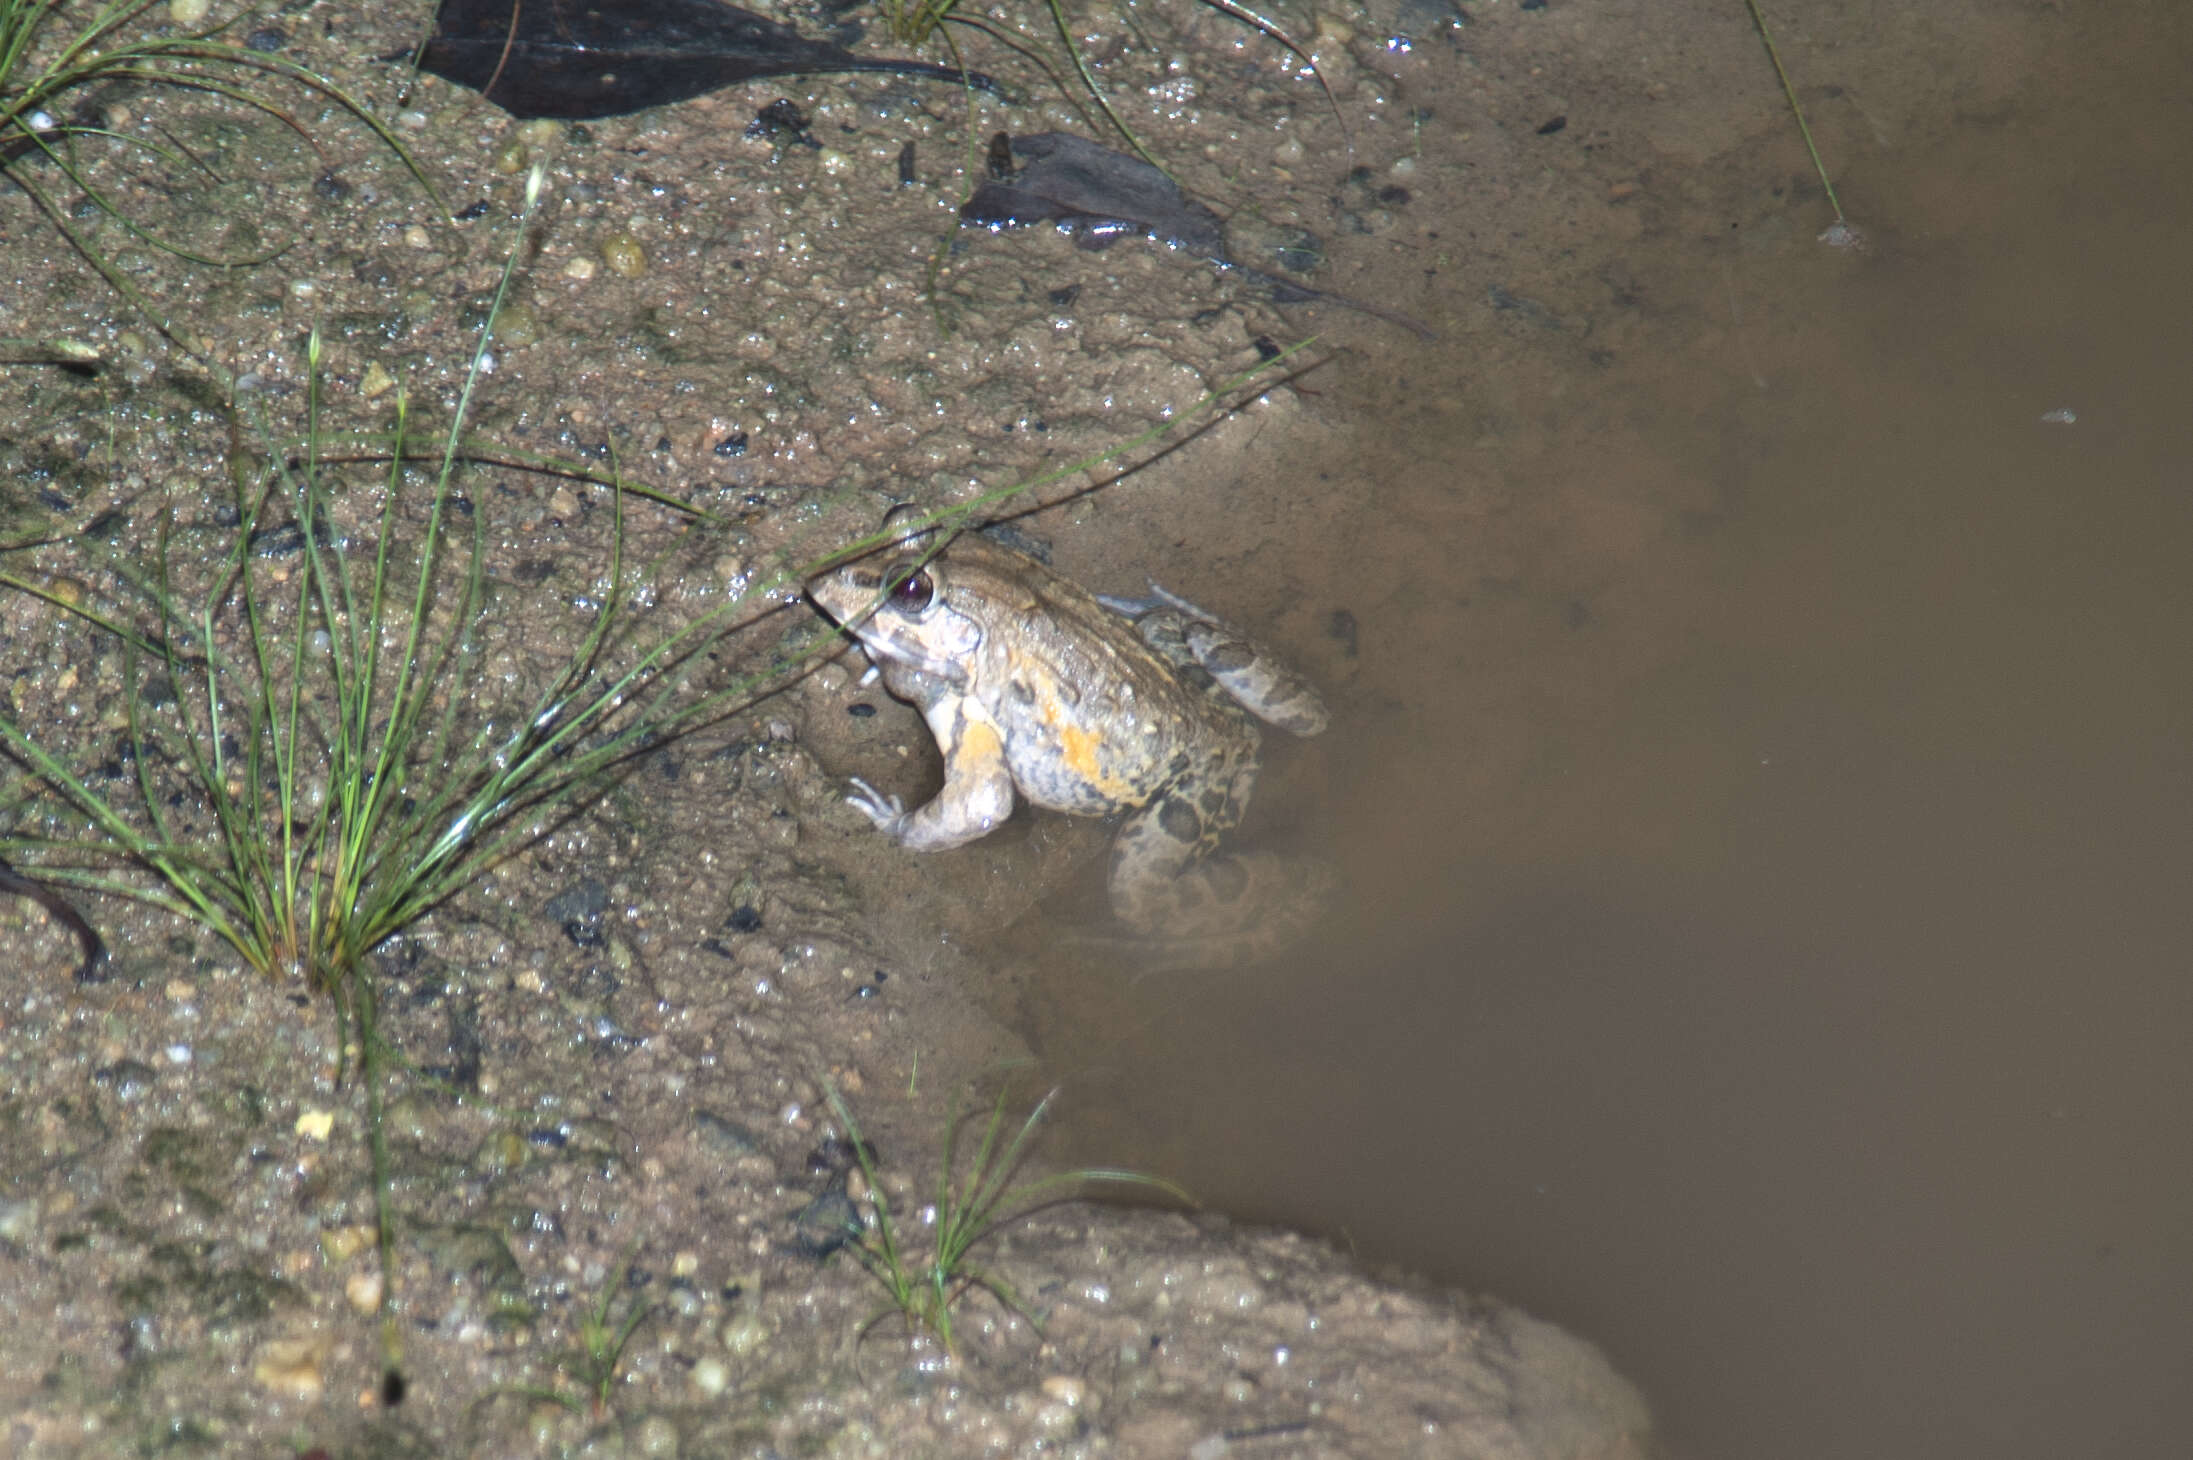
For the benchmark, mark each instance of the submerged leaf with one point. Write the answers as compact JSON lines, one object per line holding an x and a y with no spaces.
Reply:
{"x":1100,"y":195}
{"x":568,"y":58}
{"x":1097,"y":192}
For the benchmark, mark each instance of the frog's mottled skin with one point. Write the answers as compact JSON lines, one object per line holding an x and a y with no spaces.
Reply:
{"x":1093,"y":707}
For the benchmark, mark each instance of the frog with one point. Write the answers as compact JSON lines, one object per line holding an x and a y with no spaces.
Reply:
{"x":1145,"y":709}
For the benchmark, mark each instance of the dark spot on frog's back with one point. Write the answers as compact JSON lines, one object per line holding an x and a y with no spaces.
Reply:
{"x":1179,"y":820}
{"x":1214,"y":801}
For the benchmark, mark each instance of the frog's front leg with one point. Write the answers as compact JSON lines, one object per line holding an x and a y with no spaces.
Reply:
{"x":978,"y":785}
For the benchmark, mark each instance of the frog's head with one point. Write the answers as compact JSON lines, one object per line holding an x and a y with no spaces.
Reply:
{"x":899,"y":605}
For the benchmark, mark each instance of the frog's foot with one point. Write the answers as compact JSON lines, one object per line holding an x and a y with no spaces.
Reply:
{"x":1226,"y":910}
{"x":887,"y":812}
{"x":1248,"y":671}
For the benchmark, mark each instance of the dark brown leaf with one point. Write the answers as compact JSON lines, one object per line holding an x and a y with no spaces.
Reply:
{"x":568,"y":58}
{"x":1100,"y":195}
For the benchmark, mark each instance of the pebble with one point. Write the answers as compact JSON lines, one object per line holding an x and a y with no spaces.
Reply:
{"x":657,"y":1437}
{"x":362,"y":1290}
{"x":127,"y":1078}
{"x":622,"y":255}
{"x":517,"y":325}
{"x":711,"y":1377}
{"x":340,"y":1244}
{"x":744,"y":1334}
{"x":18,"y":1220}
{"x":290,"y":1366}
{"x":1840,"y":234}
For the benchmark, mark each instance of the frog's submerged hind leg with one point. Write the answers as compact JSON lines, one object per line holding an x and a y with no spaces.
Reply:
{"x":1216,"y":912}
{"x":1194,"y":908}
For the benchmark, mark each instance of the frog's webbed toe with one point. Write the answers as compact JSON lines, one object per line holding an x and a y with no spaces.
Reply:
{"x":887,"y":812}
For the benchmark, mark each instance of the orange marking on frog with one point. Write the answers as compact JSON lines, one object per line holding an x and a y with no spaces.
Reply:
{"x":980,"y":740}
{"x":1079,"y":747}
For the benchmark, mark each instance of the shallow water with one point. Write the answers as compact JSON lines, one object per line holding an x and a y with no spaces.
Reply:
{"x":1764,"y":785}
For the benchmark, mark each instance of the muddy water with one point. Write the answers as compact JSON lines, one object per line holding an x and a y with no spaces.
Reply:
{"x":1765,"y":790}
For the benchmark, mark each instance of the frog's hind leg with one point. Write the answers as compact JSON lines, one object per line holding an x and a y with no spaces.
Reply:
{"x":1168,"y":883}
{"x":1193,"y":910}
{"x":1255,"y":677}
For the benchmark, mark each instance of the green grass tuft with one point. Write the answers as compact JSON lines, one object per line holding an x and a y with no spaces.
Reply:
{"x":305,"y":784}
{"x":926,"y":1282}
{"x":309,"y":772}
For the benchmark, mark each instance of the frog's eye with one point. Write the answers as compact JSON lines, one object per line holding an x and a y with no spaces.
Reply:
{"x":913,"y":593}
